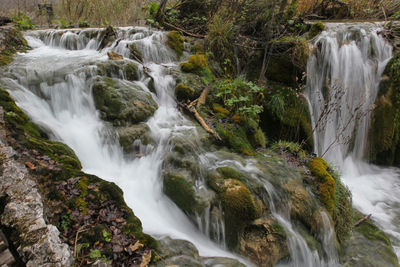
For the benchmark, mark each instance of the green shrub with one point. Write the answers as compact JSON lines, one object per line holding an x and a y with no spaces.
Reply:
{"x":241,"y":96}
{"x":23,"y":22}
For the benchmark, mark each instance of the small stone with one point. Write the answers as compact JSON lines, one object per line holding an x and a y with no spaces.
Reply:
{"x":114,"y":56}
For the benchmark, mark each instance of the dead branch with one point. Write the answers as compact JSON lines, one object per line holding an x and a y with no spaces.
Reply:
{"x":202,"y":98}
{"x":191,"y":107}
{"x":362,"y":220}
{"x":183,"y":31}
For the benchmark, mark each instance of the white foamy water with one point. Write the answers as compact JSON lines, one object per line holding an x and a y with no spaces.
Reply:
{"x":344,"y":71}
{"x":52,"y":83}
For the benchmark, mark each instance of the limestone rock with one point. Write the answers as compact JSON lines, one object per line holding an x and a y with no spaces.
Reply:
{"x":40,"y":242}
{"x":114,"y":56}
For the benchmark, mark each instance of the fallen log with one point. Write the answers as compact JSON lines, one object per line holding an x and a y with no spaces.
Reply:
{"x":191,"y":107}
{"x":362,"y":220}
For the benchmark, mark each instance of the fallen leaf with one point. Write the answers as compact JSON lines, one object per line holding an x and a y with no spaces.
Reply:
{"x":30,"y":165}
{"x":136,"y":246}
{"x":146,"y":258}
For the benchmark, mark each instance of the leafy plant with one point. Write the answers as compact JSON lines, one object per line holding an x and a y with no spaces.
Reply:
{"x":240,"y":96}
{"x":23,"y":22}
{"x":107,"y":236}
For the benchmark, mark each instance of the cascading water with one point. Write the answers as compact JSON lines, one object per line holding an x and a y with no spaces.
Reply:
{"x":53,"y":84}
{"x":344,"y":72}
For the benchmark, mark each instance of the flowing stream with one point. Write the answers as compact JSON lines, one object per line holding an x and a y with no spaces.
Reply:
{"x":344,"y":72}
{"x":52,"y":83}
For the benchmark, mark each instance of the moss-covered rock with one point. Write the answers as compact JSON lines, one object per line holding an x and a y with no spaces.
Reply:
{"x":234,"y":136}
{"x":122,"y":103}
{"x":175,"y":42}
{"x":326,"y":183}
{"x":289,"y":60}
{"x":384,"y":134}
{"x":316,"y":29}
{"x":128,"y":135}
{"x":180,"y":191}
{"x":368,"y":246}
{"x":335,"y":196}
{"x":195,"y":64}
{"x":239,"y":207}
{"x":113,"y":69}
{"x":264,"y":242}
{"x":286,"y":116}
{"x":183,"y":92}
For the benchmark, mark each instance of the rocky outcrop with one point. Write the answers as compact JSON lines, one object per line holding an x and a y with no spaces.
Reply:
{"x":40,"y":244}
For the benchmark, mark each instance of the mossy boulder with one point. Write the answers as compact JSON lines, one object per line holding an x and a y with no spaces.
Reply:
{"x":302,"y":206}
{"x":128,"y":135}
{"x":316,"y":29}
{"x":326,"y":183}
{"x":184,"y":92}
{"x":264,"y":242}
{"x":191,"y":80}
{"x":181,"y":192}
{"x":122,"y":103}
{"x":286,"y":116}
{"x":175,"y":42}
{"x":196,"y":64}
{"x":289,"y":60}
{"x":384,"y":134}
{"x":112,"y":69}
{"x":239,"y":208}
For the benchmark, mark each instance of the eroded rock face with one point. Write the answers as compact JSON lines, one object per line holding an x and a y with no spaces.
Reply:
{"x":40,"y":244}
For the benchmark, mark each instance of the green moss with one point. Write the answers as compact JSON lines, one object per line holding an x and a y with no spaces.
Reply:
{"x":384,"y":136}
{"x":180,"y":191}
{"x":259,"y":138}
{"x":239,"y":208}
{"x":184,"y":92}
{"x":219,"y":109}
{"x":316,"y":29}
{"x":289,"y":60}
{"x":175,"y":42}
{"x":326,"y":183}
{"x":229,"y":173}
{"x":131,"y":72}
{"x":235,"y":138}
{"x":196,"y":64}
{"x":286,"y":117}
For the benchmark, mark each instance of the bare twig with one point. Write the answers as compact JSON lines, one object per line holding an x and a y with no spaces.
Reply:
{"x":362,"y":220}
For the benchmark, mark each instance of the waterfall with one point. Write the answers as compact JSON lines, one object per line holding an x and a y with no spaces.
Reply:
{"x":344,"y":70}
{"x":53,"y":85}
